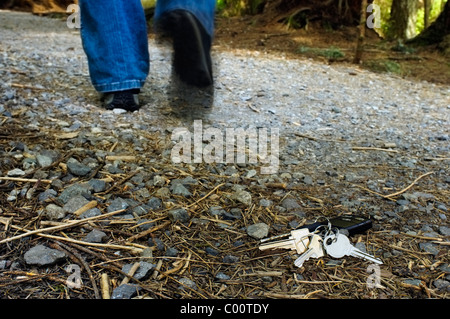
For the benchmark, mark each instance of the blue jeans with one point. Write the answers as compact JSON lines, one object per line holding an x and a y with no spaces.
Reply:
{"x":114,"y":37}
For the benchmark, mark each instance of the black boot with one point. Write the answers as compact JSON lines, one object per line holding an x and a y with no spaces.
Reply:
{"x":127,"y":100}
{"x":191,"y":44}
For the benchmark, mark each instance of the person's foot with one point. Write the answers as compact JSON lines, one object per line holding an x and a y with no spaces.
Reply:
{"x":191,"y":44}
{"x":127,"y":100}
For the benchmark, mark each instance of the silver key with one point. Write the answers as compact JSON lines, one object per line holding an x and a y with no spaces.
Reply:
{"x":339,"y":245}
{"x":315,"y":250}
{"x":298,"y":240}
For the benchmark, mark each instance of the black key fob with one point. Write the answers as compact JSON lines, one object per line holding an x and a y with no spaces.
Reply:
{"x":353,"y":224}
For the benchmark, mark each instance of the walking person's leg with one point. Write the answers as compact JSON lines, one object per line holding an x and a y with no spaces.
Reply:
{"x":114,"y":36}
{"x":191,"y":25}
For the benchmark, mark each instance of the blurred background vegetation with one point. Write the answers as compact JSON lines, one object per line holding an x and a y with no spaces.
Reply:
{"x":399,"y":19}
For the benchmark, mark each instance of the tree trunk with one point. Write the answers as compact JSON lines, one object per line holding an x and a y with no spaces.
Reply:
{"x":362,"y":29}
{"x":426,"y":13}
{"x":403,"y":19}
{"x":436,"y":32}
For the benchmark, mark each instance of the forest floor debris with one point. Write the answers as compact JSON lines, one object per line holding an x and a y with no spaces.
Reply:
{"x":100,"y":191}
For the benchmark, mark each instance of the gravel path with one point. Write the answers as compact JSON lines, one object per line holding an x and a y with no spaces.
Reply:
{"x":347,"y":138}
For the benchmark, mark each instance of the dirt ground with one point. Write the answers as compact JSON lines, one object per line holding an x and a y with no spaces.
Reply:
{"x":379,"y":55}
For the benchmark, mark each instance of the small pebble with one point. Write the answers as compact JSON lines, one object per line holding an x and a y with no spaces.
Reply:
{"x":258,"y":231}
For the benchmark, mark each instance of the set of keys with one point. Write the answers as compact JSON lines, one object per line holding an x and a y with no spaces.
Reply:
{"x":315,"y":244}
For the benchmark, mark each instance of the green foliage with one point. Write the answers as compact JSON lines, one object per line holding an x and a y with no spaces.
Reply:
{"x":147,"y":4}
{"x":385,"y":14}
{"x":239,"y":7}
{"x":436,"y":8}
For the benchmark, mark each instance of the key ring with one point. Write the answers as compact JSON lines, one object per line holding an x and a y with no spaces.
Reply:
{"x":322,"y":226}
{"x":335,"y":234}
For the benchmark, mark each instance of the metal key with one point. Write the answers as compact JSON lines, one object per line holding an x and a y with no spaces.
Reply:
{"x":298,"y":240}
{"x":339,"y":245}
{"x":315,"y":250}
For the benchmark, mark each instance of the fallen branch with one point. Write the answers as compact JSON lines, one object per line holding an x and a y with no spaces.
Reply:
{"x":25,"y":86}
{"x":131,"y":273}
{"x":104,"y":285}
{"x":134,"y":248}
{"x":81,"y":210}
{"x":26,"y":180}
{"x":126,"y":158}
{"x":360,"y":148}
{"x":149,"y":231}
{"x":199,"y":200}
{"x":59,"y":227}
{"x":412,"y":184}
{"x":80,"y":258}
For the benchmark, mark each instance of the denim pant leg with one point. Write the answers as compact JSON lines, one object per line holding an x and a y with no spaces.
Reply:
{"x":114,"y":37}
{"x":203,"y":10}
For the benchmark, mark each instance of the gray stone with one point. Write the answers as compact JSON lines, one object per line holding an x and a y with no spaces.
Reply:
{"x":179,"y":215}
{"x":251,"y":173}
{"x":47,"y":157}
{"x":16,"y":172}
{"x":299,"y":213}
{"x":74,"y":204}
{"x":91,"y":213}
{"x":242,"y":196}
{"x":222,"y":276}
{"x":97,"y":185}
{"x":444,"y":230}
{"x":412,"y":282}
{"x":179,"y":189}
{"x":156,"y":242}
{"x":140,"y":210}
{"x":125,"y":291}
{"x":4,"y":264}
{"x":290,"y":204}
{"x":308,"y":180}
{"x":230,"y":259}
{"x":163,"y":192}
{"x":44,"y":160}
{"x":74,"y":190}
{"x":54,"y":212}
{"x":117,"y":204}
{"x":441,"y":284}
{"x":216,"y":211}
{"x":186,"y":282}
{"x":154,"y":203}
{"x":265,"y":202}
{"x":171,"y":252}
{"x":361,"y":246}
{"x":391,"y":214}
{"x":211,"y":251}
{"x":41,"y":255}
{"x":77,"y":168}
{"x":258,"y":231}
{"x":429,"y":248}
{"x":47,"y":194}
{"x":233,"y":214}
{"x":142,"y":272}
{"x":158,"y":180}
{"x":13,"y":195}
{"x":95,"y":236}
{"x":145,"y":224}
